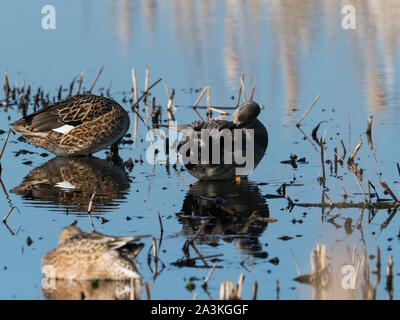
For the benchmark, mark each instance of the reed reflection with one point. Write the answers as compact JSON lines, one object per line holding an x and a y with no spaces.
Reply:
{"x":67,"y":184}
{"x":292,"y":30}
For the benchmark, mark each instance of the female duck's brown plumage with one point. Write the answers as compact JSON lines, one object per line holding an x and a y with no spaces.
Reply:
{"x":86,"y":256}
{"x":78,"y":125}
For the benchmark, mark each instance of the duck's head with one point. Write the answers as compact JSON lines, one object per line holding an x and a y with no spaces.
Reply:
{"x":69,"y":232}
{"x":246,"y":114}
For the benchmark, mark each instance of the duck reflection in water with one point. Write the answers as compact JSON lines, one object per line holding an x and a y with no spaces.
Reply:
{"x":88,"y":290}
{"x":68,"y":184}
{"x":237,"y":214}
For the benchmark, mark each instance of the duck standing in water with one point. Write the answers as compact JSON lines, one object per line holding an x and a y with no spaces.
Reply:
{"x":92,"y":255}
{"x":243,"y":118}
{"x":79,"y":125}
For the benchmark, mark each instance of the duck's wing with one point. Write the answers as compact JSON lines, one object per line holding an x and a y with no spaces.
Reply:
{"x":112,"y":242}
{"x":199,"y":125}
{"x":66,"y":114}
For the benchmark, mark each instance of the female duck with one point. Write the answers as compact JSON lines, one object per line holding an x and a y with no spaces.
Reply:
{"x":79,"y":125}
{"x":86,"y":256}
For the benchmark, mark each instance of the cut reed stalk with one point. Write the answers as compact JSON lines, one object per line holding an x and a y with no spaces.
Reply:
{"x":147,"y":290}
{"x":255,"y":287}
{"x":146,"y":88}
{"x":8,"y":214}
{"x":97,"y":78}
{"x":388,"y":190}
{"x":239,"y":94}
{"x":307,"y":111}
{"x":160,"y":221}
{"x":243,"y":87}
{"x":355,"y":151}
{"x":80,"y":82}
{"x":356,"y":177}
{"x":204,"y":285}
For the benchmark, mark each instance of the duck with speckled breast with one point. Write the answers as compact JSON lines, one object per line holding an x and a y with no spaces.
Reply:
{"x":78,"y":125}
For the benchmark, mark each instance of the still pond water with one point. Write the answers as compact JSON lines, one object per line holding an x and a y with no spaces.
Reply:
{"x":293,"y":51}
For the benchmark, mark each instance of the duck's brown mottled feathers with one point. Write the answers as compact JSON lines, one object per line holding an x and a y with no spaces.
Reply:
{"x":73,"y":111}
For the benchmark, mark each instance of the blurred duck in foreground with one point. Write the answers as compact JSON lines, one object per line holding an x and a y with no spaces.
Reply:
{"x":243,"y":118}
{"x":79,"y":125}
{"x":87,"y":256}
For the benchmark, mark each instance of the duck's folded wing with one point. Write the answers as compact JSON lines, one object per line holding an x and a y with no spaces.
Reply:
{"x":199,"y":125}
{"x":66,"y":114}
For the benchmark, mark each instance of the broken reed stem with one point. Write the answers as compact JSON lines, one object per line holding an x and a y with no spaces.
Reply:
{"x":398,"y":168}
{"x":59,"y":96}
{"x":327,"y":198}
{"x":373,"y":187}
{"x":239,"y":94}
{"x":200,"y":230}
{"x":146,"y":92}
{"x":4,"y":144}
{"x":208,"y":104}
{"x":6,"y":87}
{"x":71,"y":87}
{"x":160,"y":221}
{"x":204,"y":285}
{"x":322,"y":143}
{"x":91,"y":201}
{"x":307,"y":111}
{"x":170,"y":99}
{"x":7,"y":214}
{"x":97,"y":77}
{"x":238,"y":292}
{"x":218,"y":110}
{"x":355,"y":151}
{"x":243,"y":88}
{"x":344,"y":193}
{"x":369,"y":126}
{"x":6,"y":84}
{"x":355,"y":176}
{"x":90,"y":209}
{"x":222,"y":291}
{"x":388,"y":190}
{"x":335,"y":160}
{"x":134,"y":86}
{"x":167,"y":90}
{"x":80,"y":82}
{"x":154,"y":248}
{"x":368,"y":132}
{"x":197,"y":102}
{"x":147,"y":290}
{"x":146,"y":87}
{"x":308,"y":139}
{"x":108,"y":90}
{"x":378,"y":262}
{"x":199,"y":254}
{"x":252,"y":91}
{"x":344,"y":149}
{"x":389,"y":277}
{"x":277,"y":289}
{"x":255,"y":287}
{"x":344,"y":205}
